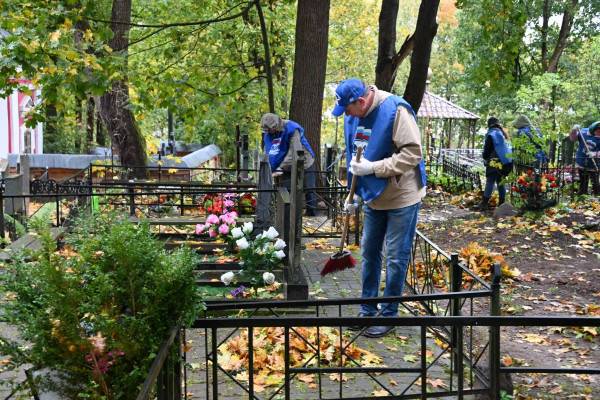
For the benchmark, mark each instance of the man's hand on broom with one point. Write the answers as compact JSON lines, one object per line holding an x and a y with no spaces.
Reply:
{"x":362,"y":167}
{"x":351,"y":206}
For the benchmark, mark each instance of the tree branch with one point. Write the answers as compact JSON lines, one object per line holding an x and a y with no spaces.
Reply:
{"x":174,"y":24}
{"x":406,"y":48}
{"x":425,"y":31}
{"x":217,"y":94}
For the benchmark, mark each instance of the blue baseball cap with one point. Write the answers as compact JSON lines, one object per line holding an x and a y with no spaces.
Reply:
{"x":347,"y":92}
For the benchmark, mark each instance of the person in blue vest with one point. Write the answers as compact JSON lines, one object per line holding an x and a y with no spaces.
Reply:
{"x":391,"y":184}
{"x":281,"y":139}
{"x":535,"y":139}
{"x":587,"y":157}
{"x":497,"y":157}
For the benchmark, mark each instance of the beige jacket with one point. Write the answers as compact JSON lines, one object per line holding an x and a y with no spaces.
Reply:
{"x":404,"y":188}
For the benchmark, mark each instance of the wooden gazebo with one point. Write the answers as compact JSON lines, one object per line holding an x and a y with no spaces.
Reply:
{"x":455,"y":124}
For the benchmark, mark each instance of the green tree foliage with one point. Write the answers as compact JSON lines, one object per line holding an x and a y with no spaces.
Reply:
{"x":504,"y":57}
{"x":40,"y":46}
{"x":212,"y":76}
{"x":187,"y":56}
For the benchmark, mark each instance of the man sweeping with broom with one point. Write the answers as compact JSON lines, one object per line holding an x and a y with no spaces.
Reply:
{"x":391,"y":183}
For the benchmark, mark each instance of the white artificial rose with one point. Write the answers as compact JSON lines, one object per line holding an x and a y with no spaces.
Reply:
{"x":271,"y":233}
{"x":279,"y":254}
{"x":248,"y":228}
{"x":242,"y":243}
{"x":268,"y":278}
{"x":227,"y":277}
{"x":237,"y":233}
{"x":279,"y":244}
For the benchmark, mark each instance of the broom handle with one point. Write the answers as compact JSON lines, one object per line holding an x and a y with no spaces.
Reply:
{"x":349,"y":199}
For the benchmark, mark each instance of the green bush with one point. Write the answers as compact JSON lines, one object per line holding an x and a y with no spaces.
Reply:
{"x":96,"y":311}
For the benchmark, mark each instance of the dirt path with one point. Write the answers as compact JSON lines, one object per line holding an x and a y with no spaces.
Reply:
{"x":558,"y":256}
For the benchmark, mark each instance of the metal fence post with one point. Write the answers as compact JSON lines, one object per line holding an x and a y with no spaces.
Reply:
{"x":457,"y":331}
{"x":494,"y":331}
{"x":57,"y":208}
{"x":181,"y":201}
{"x":131,"y":198}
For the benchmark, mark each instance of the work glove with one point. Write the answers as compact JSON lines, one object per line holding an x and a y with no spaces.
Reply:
{"x":277,"y":172}
{"x":350,"y":207}
{"x":362,"y":167}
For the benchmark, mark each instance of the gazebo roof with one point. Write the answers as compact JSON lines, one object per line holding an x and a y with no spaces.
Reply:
{"x":434,"y":106}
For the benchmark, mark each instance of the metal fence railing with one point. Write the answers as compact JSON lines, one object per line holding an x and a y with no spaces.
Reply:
{"x":439,"y":284}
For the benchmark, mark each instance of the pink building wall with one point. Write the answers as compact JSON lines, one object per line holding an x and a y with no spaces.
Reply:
{"x":15,"y":137}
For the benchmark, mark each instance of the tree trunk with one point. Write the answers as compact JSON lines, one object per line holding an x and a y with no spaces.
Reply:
{"x":544,"y":32}
{"x":387,"y":44}
{"x":388,"y":60}
{"x":312,"y":24}
{"x":100,"y":128}
{"x":425,"y":31}
{"x":89,"y":126}
{"x":79,"y":140}
{"x":563,"y":35}
{"x":50,"y":127}
{"x":268,"y":71}
{"x":114,"y":105}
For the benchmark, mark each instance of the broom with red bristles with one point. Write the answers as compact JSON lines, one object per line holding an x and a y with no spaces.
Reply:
{"x":343,"y":258}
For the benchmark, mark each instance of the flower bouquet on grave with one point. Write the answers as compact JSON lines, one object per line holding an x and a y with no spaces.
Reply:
{"x":258,"y":257}
{"x":212,"y":203}
{"x":218,"y":227}
{"x":535,"y":189}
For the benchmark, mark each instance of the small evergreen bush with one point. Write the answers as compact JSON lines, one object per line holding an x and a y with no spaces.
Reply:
{"x":96,"y":310}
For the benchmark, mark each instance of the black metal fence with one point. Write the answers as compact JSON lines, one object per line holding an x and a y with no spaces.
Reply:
{"x":460,"y":176}
{"x":439,"y":284}
{"x":456,"y":386}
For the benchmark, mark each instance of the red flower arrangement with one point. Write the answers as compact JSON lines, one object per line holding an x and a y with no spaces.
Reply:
{"x":216,"y":203}
{"x":535,"y":188}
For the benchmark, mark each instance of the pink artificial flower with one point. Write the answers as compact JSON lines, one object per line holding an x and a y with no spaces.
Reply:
{"x":200,"y":229}
{"x":228,"y":218}
{"x":234,"y":214}
{"x":224,"y":229}
{"x":212,"y":219}
{"x":212,"y":233}
{"x":228,"y":203}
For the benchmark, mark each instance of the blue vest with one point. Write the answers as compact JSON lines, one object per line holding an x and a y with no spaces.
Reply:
{"x":540,"y":154}
{"x":375,"y":131}
{"x":277,"y":146}
{"x":502,"y":148}
{"x":580,"y":156}
{"x":593,"y":144}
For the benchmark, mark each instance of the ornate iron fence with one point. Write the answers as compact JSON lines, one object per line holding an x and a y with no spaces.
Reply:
{"x":462,"y":175}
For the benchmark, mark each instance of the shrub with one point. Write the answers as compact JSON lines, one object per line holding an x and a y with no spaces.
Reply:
{"x":96,"y":311}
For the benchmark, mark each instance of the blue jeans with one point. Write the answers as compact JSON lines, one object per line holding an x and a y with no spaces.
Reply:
{"x":397,"y":227}
{"x":496,"y":179}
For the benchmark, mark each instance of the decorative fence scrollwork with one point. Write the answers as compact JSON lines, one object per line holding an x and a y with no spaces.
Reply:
{"x":38,"y":186}
{"x":50,"y":186}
